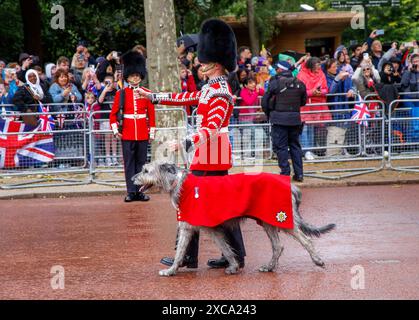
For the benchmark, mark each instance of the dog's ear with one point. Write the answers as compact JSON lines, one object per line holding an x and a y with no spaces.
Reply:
{"x":168,"y":167}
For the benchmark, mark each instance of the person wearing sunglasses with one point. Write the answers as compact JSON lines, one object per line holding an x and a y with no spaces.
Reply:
{"x":366,"y":77}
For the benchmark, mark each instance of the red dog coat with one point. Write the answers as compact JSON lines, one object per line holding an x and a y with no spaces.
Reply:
{"x":210,"y":201}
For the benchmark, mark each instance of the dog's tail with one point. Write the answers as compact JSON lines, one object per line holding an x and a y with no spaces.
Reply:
{"x":306,"y":228}
{"x":310,"y":230}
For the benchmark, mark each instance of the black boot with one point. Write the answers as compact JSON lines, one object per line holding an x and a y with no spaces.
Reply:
{"x":188,"y":261}
{"x":142,"y":197}
{"x":298,"y":178}
{"x":130,"y":197}
{"x":223,"y":263}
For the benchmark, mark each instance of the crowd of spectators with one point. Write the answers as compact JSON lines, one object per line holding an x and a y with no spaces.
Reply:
{"x":91,"y":83}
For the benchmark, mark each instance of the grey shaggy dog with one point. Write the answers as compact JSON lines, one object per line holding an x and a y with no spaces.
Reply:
{"x":170,"y":178}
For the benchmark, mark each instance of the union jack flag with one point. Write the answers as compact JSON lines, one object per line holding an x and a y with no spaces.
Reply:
{"x":46,"y":121}
{"x":79,"y":117}
{"x":28,"y":148}
{"x":361,"y":113}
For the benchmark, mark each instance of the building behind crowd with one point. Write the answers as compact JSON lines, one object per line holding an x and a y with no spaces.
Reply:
{"x":318,"y":32}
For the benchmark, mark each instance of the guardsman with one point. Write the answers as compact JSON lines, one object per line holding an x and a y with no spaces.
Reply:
{"x":132,"y":120}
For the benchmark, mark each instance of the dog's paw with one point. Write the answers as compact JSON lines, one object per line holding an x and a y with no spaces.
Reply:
{"x":319,"y":262}
{"x":232,"y":270}
{"x":266,"y":268}
{"x":167,"y":272}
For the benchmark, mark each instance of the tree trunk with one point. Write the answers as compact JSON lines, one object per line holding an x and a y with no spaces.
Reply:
{"x":161,"y":45}
{"x":253,"y":34}
{"x":31,"y":18}
{"x":162,"y":67}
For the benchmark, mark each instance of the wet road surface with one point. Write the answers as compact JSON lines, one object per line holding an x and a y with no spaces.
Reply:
{"x":111,"y":250}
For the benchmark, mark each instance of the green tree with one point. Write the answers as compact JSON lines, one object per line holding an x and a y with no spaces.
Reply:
{"x":11,"y":30}
{"x":106,"y":24}
{"x":400,"y":23}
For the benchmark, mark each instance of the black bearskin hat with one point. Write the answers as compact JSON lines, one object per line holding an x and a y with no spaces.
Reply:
{"x":133,"y":62}
{"x":217,"y":43}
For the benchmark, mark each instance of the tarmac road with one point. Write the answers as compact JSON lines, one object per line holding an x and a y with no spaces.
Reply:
{"x":111,"y":250}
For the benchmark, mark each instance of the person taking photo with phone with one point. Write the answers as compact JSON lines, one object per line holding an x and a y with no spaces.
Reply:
{"x":375,"y":48}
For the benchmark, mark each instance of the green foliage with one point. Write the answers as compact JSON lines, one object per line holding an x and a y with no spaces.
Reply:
{"x":400,"y":23}
{"x":107,"y":25}
{"x":119,"y":24}
{"x":11,"y":36}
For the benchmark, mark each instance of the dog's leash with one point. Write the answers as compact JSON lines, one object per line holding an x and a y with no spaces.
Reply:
{"x":183,"y":155}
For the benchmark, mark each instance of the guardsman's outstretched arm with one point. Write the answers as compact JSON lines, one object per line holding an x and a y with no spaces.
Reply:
{"x":173,"y":99}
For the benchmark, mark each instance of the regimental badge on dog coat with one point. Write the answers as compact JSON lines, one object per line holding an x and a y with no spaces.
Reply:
{"x":210,"y":201}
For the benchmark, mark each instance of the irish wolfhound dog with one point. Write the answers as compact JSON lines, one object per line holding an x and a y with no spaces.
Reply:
{"x":170,"y":178}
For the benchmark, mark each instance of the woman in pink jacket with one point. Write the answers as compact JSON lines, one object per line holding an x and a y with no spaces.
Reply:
{"x":316,"y":84}
{"x":249,"y":97}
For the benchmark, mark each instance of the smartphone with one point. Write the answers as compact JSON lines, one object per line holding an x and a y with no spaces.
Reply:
{"x":379,"y":32}
{"x":409,"y":44}
{"x":366,"y":55}
{"x":115,"y":55}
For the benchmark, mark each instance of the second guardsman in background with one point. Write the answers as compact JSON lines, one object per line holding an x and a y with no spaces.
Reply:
{"x":132,"y":119}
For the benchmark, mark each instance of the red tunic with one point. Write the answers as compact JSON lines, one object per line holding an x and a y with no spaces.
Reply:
{"x":211,"y":141}
{"x":136,"y":113}
{"x":210,"y":201}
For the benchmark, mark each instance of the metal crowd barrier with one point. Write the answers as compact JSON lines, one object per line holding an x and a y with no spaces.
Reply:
{"x":375,"y":95}
{"x":85,"y":147}
{"x":67,"y":149}
{"x":343,"y":140}
{"x":403,"y":130}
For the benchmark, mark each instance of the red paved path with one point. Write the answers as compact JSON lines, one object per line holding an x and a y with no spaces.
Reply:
{"x":111,"y":250}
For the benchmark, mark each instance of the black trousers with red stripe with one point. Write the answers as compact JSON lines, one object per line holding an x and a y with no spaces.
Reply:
{"x":233,"y":235}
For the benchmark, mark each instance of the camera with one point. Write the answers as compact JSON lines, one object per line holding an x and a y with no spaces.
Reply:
{"x":379,"y":32}
{"x":108,"y":83}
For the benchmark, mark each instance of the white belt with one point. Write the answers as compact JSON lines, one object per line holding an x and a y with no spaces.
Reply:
{"x":134,"y":116}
